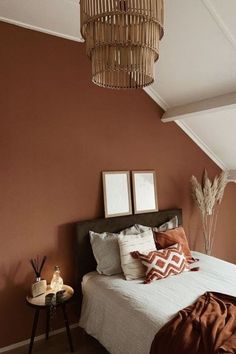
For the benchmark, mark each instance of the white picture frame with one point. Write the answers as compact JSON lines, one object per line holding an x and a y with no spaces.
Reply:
{"x":144,"y":191}
{"x":117,"y":193}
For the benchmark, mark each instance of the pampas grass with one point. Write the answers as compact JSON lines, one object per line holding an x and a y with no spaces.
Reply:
{"x":208,"y":196}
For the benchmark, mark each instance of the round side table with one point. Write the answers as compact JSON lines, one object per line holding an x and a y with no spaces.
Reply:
{"x":39,"y":303}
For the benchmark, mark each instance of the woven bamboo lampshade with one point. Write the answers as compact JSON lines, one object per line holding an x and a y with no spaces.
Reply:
{"x":122,"y":40}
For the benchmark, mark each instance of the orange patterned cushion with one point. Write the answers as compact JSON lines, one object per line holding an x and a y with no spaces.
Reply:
{"x":160,"y":264}
{"x":170,"y":237}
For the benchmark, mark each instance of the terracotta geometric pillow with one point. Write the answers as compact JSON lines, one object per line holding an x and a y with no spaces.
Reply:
{"x":163,"y":263}
{"x":171,"y":237}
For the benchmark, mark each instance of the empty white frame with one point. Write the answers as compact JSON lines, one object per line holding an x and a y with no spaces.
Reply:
{"x":116,"y":191}
{"x":144,"y":191}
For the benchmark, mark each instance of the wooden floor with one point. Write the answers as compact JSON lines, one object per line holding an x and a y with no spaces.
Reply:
{"x":58,"y":344}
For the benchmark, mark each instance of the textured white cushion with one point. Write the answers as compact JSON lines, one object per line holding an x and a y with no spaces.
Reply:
{"x":106,"y":250}
{"x":169,"y":225}
{"x":143,"y":243}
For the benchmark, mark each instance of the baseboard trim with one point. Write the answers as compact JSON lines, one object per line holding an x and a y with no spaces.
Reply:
{"x":38,"y":338}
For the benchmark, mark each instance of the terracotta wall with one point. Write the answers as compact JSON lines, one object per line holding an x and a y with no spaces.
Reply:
{"x":57,"y":133}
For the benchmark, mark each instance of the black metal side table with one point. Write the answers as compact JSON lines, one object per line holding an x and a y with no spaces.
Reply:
{"x":38,"y":303}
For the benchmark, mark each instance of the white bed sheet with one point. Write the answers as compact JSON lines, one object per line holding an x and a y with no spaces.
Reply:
{"x":124,"y":316}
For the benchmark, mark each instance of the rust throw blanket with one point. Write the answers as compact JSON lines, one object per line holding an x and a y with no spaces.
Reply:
{"x":206,"y":327}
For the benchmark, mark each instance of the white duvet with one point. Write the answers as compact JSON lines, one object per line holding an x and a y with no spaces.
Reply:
{"x":124,"y":316}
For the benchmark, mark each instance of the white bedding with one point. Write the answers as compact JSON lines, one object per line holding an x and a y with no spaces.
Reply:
{"x":124,"y":316}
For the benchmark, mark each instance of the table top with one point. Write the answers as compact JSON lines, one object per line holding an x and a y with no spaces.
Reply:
{"x":40,"y":300}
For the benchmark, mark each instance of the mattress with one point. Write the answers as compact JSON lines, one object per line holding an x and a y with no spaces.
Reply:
{"x":124,"y":316}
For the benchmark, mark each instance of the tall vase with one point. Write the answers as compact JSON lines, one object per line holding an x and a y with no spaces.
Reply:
{"x":207,"y":233}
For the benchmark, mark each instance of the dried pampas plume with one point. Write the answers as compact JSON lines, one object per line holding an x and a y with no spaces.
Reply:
{"x":208,"y":196}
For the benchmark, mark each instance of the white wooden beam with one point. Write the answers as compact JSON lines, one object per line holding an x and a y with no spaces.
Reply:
{"x":215,"y":104}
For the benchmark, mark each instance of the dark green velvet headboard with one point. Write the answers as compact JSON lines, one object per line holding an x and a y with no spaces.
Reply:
{"x":85,"y":259}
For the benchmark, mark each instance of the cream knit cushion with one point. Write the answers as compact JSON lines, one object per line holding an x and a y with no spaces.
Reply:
{"x":144,"y":243}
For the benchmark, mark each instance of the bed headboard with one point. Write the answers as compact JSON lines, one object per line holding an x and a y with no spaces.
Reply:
{"x":85,"y":259}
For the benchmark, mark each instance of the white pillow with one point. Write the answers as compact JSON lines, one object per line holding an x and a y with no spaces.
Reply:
{"x":142,"y":228}
{"x":106,"y":250}
{"x":143,"y":243}
{"x":169,"y":225}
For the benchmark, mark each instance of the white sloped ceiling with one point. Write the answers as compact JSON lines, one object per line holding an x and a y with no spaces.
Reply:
{"x":198,"y":62}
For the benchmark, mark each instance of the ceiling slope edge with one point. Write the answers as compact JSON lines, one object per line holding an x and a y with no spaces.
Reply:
{"x":40,"y":29}
{"x":156,"y":97}
{"x":203,"y":146}
{"x":196,"y":139}
{"x":220,"y":22}
{"x":232,"y":176}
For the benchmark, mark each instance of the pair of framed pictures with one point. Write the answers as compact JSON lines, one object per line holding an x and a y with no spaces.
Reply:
{"x":117,"y":192}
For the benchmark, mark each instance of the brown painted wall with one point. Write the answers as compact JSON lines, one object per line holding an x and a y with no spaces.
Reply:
{"x":57,"y":133}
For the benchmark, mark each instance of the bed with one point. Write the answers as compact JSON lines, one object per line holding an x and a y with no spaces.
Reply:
{"x":124,"y":316}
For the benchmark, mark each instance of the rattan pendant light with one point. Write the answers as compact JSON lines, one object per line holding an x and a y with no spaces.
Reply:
{"x":122,"y":40}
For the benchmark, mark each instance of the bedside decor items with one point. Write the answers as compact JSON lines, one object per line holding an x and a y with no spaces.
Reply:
{"x":122,"y":40}
{"x":57,"y":281}
{"x":208,"y":196}
{"x":40,"y":285}
{"x":117,"y":195}
{"x":144,"y":191}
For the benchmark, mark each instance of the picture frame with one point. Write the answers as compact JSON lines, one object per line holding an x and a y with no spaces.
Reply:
{"x":117,"y":193}
{"x":144,"y":191}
